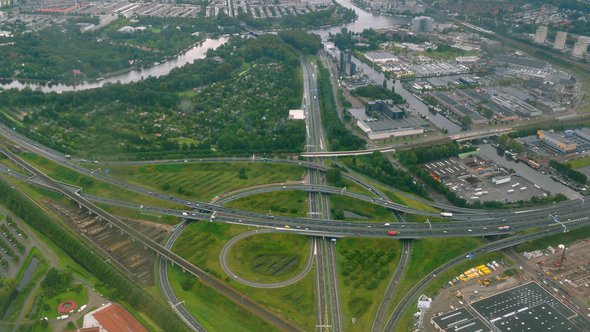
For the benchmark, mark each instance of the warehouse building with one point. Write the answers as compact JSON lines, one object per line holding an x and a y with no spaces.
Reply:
{"x":388,"y":128}
{"x":459,"y":320}
{"x":557,"y":142}
{"x":525,"y":308}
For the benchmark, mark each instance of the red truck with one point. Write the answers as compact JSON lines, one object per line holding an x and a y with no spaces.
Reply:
{"x":392,"y":233}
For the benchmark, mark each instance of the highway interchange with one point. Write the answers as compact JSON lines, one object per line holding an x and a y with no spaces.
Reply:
{"x":573,"y":214}
{"x":464,"y":222}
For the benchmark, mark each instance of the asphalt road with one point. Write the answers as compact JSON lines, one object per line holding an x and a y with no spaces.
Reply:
{"x":413,"y":294}
{"x":224,"y":265}
{"x":204,"y":277}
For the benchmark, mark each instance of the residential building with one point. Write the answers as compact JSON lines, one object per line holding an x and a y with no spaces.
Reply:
{"x":580,"y":47}
{"x":557,"y":142}
{"x":422,"y":24}
{"x":541,"y":34}
{"x":560,"y":40}
{"x":347,"y":67}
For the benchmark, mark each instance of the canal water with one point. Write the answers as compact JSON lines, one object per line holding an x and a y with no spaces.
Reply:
{"x":534,"y":176}
{"x":23,"y":282}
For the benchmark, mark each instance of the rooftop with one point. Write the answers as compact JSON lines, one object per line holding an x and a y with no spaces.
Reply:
{"x":460,"y":320}
{"x":528,"y":307}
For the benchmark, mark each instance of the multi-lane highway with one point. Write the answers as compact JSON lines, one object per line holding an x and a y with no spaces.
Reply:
{"x":329,"y":312}
{"x":162,"y":251}
{"x":466,"y":222}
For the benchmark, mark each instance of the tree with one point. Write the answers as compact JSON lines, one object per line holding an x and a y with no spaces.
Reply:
{"x":334,"y":176}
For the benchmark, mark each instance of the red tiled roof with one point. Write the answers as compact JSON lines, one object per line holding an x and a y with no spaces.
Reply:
{"x":115,"y":318}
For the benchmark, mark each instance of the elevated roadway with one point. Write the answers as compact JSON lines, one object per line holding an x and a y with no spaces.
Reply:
{"x":419,"y":287}
{"x":161,"y":251}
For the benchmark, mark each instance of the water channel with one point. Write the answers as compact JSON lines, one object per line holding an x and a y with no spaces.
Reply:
{"x":534,"y":176}
{"x":23,"y":282}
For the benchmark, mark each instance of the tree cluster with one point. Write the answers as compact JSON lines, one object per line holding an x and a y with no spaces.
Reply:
{"x":381,"y":169}
{"x":568,"y":171}
{"x":339,"y":137}
{"x":122,"y":287}
{"x":378,"y":92}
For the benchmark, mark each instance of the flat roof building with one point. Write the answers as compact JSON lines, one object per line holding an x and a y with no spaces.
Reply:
{"x":557,"y":142}
{"x":296,"y":115}
{"x":388,"y":128}
{"x":525,"y":308}
{"x":459,"y":320}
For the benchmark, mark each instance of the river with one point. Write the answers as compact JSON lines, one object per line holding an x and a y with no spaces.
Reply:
{"x":536,"y":177}
{"x":366,"y":20}
{"x":198,"y":51}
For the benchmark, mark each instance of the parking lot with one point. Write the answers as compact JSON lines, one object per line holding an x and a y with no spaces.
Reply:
{"x":472,"y":179}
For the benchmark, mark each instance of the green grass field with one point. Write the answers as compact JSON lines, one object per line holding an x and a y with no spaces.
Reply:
{"x":201,"y":244}
{"x":562,"y":238}
{"x":369,"y":211}
{"x":213,"y":311}
{"x":286,"y":203}
{"x":580,"y":162}
{"x":205,"y":180}
{"x":427,"y":255}
{"x":270,"y":257}
{"x":364,"y":269}
{"x":91,"y":185}
{"x":79,"y":295}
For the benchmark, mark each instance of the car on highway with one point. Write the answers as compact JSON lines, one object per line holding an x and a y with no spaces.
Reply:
{"x":392,"y":233}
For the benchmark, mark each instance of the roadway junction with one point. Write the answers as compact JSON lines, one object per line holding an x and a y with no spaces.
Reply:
{"x":497,"y":225}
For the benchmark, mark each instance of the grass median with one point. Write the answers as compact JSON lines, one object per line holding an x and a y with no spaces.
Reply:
{"x":205,"y":180}
{"x":201,"y":244}
{"x":365,"y":267}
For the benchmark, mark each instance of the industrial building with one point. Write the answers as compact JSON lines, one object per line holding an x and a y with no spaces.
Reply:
{"x":557,"y":142}
{"x":422,"y":24}
{"x":296,"y":114}
{"x":386,"y":107}
{"x":380,"y":56}
{"x":528,"y":307}
{"x":501,"y":179}
{"x":384,"y":120}
{"x":459,"y":320}
{"x":541,"y":34}
{"x":560,"y":40}
{"x":387,"y":128}
{"x":583,"y":133}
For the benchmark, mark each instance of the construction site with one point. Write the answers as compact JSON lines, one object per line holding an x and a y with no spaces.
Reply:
{"x":122,"y":250}
{"x":565,"y":266}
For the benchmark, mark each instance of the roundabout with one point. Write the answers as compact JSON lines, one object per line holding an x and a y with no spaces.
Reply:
{"x":271,"y":264}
